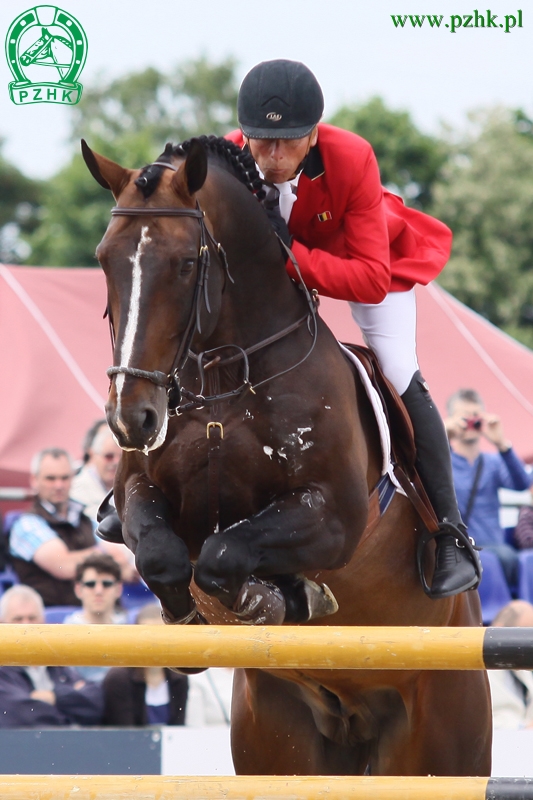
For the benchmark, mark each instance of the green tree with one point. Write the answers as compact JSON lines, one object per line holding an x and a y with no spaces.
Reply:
{"x":485,"y":197}
{"x":128,"y":120}
{"x":19,"y":207}
{"x":409,"y":160}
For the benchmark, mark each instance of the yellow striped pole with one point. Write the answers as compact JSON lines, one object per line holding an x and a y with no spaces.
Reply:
{"x":285,"y":647}
{"x":120,"y":787}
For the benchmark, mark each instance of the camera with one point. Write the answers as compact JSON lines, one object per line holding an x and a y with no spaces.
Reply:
{"x":473,"y":424}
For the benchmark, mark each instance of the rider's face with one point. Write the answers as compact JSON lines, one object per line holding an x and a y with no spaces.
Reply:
{"x":278,"y":159}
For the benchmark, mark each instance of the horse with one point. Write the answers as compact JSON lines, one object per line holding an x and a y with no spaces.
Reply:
{"x":250,"y":450}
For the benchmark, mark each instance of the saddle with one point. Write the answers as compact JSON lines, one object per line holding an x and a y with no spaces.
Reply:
{"x":403,"y":447}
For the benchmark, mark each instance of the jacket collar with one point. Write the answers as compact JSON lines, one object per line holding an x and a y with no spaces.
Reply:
{"x":314,"y":166}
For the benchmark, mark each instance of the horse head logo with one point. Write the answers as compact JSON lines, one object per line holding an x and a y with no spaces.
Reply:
{"x":46,"y":50}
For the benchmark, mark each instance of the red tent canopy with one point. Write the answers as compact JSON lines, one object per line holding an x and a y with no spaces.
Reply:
{"x":55,"y":351}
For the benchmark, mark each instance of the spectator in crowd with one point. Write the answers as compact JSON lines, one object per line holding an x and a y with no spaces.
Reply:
{"x":145,"y":696}
{"x":512,"y":690}
{"x":523,"y":534}
{"x":47,"y":543}
{"x":478,"y":476}
{"x":98,"y":585}
{"x":42,"y":696}
{"x":95,"y":479}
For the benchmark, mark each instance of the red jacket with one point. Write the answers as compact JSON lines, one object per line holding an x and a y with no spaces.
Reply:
{"x":353,"y":239}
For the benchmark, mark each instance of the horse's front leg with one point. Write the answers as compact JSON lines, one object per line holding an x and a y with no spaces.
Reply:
{"x":297,"y":533}
{"x":161,"y":557}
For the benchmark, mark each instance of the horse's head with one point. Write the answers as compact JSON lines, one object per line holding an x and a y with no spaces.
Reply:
{"x":155,"y":255}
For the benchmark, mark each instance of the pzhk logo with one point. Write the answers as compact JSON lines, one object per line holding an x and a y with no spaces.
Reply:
{"x":46,"y":50}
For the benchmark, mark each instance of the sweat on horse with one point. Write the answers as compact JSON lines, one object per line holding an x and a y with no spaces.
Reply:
{"x":259,"y":477}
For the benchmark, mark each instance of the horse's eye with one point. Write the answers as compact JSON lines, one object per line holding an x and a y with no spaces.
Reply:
{"x":187,"y":266}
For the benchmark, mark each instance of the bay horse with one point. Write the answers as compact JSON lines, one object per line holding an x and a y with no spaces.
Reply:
{"x":258,"y":477}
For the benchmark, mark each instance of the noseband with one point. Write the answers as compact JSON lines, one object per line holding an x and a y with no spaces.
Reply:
{"x":171,"y":381}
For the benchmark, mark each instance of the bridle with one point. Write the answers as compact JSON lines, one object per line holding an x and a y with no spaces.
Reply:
{"x":171,"y":381}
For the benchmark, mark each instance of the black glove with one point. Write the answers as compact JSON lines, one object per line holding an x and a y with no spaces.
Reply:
{"x":279,"y":225}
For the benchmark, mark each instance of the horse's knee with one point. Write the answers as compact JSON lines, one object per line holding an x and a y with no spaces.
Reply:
{"x":163,"y":561}
{"x":223,"y":566}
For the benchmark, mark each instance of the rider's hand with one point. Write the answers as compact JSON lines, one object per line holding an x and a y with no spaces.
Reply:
{"x":279,"y":225}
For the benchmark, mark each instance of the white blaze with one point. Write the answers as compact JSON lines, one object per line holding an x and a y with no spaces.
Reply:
{"x":133,"y":319}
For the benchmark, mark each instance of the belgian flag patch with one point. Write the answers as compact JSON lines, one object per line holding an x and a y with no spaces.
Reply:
{"x":324,"y":216}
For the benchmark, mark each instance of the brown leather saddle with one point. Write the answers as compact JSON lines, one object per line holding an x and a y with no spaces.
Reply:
{"x":402,"y":437}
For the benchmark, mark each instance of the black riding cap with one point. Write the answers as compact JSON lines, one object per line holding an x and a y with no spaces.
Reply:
{"x":279,"y":100}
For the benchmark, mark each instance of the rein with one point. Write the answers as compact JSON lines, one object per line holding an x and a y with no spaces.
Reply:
{"x":171,"y":381}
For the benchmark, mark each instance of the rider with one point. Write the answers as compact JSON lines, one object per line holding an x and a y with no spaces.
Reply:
{"x":355,"y":241}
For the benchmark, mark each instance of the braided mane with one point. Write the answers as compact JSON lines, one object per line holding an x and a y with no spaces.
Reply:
{"x":239,"y":162}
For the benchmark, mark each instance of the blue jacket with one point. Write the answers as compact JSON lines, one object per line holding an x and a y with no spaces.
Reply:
{"x":500,"y":470}
{"x":83,"y":706}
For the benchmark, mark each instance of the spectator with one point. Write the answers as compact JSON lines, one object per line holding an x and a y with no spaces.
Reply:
{"x":145,"y":696}
{"x":478,"y":476}
{"x":95,"y":479}
{"x":48,"y":542}
{"x":98,"y":585}
{"x":89,"y":438}
{"x":523,"y":534}
{"x":42,"y":696}
{"x":512,"y":690}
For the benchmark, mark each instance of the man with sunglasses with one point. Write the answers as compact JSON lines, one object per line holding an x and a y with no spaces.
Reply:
{"x":94,"y":481}
{"x":96,"y":477}
{"x":48,"y":542}
{"x":98,"y":585}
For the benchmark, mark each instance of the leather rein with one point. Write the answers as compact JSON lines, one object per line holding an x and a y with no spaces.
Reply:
{"x":170,"y":381}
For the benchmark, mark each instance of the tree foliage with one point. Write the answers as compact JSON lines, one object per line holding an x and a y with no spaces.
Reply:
{"x":128,"y":120}
{"x":485,"y":197}
{"x":19,"y":202}
{"x":409,"y":160}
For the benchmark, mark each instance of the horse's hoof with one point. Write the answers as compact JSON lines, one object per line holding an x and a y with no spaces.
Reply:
{"x":192,"y":618}
{"x":260,"y":603}
{"x":110,"y":529}
{"x":321,"y":601}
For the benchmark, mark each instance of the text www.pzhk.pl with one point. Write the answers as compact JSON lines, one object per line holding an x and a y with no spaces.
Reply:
{"x":475,"y":20}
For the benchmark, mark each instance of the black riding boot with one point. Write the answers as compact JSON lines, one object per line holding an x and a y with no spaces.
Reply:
{"x":109,"y":525}
{"x":457,"y":565}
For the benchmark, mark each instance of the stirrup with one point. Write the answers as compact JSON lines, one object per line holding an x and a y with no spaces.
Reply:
{"x":462,"y":541}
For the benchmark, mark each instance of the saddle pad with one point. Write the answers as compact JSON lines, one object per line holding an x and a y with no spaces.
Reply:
{"x":387,"y":467}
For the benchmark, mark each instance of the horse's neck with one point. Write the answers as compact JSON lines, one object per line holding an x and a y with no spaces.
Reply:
{"x":260,"y":299}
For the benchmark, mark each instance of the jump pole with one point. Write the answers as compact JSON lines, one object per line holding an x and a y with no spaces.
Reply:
{"x":259,"y":787}
{"x":269,"y":647}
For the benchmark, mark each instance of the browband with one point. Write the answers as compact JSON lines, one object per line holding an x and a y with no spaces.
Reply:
{"x":117,"y":211}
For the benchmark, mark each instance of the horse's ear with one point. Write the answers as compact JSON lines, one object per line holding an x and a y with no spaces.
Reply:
{"x":191,"y":175}
{"x":108,"y":174}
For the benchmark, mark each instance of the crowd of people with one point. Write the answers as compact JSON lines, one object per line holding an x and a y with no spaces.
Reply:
{"x":60,"y":563}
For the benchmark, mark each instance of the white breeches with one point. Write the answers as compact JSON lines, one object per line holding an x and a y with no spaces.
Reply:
{"x":389,"y":329}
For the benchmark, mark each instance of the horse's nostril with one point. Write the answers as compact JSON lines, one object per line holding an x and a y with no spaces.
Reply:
{"x":150,"y":420}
